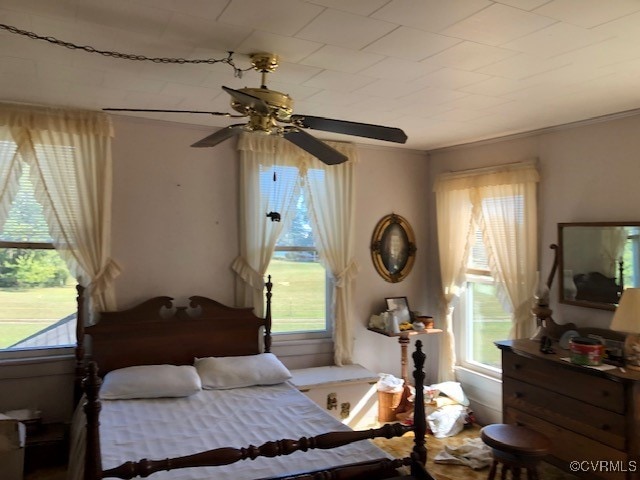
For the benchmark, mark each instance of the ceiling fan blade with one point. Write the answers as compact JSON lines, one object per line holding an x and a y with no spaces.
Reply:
{"x":255,"y":103}
{"x":221,"y":114}
{"x":368,"y":130}
{"x":220,"y":136}
{"x":315,"y":147}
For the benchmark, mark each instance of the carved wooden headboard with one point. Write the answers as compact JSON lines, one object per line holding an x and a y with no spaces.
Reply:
{"x":157,"y":332}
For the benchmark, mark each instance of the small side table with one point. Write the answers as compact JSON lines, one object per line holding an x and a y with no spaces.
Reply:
{"x":46,"y":447}
{"x":404,"y":340}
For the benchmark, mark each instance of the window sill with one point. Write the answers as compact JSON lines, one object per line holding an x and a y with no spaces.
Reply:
{"x":284,"y":340}
{"x":33,"y":355}
{"x":472,"y":369}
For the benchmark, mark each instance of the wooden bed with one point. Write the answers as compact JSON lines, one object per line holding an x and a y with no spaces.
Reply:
{"x":156,"y":332}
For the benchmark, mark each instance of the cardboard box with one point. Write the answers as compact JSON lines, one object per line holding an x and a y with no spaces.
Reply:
{"x":12,"y":438}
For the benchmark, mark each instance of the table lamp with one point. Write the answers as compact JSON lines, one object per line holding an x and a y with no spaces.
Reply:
{"x":627,"y":319}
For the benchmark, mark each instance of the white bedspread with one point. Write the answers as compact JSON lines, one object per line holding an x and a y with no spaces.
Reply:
{"x":161,"y":428}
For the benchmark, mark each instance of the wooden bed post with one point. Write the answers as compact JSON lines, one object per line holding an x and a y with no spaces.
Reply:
{"x":79,"y":350}
{"x":92,"y":407}
{"x":419,"y":420}
{"x":267,"y":317}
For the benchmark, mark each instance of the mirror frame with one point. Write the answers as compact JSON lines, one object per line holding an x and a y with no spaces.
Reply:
{"x":380,"y":249}
{"x":582,"y":303}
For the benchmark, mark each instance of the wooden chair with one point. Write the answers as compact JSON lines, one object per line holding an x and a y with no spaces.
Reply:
{"x":516,"y":448}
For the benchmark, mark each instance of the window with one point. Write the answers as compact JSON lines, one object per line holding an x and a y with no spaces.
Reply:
{"x":488,"y":249}
{"x":37,"y":292}
{"x":300,"y":280}
{"x":485,"y":319}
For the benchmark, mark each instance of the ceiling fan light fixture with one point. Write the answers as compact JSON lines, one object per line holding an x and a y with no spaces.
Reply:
{"x":264,"y":62}
{"x":266,"y":107}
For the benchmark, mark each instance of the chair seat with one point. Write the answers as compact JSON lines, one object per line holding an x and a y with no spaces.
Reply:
{"x":515,"y":440}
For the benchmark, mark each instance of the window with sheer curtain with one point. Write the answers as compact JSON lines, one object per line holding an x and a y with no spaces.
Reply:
{"x":487,"y":241}
{"x":55,"y":221}
{"x":327,"y":196}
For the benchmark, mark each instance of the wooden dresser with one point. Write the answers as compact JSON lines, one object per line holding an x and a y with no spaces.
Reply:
{"x":591,"y":416}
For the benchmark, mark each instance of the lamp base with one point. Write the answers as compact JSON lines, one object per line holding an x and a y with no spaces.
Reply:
{"x":632,"y":351}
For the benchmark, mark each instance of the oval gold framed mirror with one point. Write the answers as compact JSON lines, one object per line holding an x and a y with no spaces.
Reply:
{"x":393,"y":248}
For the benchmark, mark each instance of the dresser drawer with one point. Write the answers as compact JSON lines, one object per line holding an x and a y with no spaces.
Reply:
{"x":583,"y":387}
{"x":594,"y":422}
{"x":568,"y":446}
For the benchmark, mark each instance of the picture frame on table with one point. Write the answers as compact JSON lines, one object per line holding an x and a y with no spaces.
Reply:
{"x":401,"y":306}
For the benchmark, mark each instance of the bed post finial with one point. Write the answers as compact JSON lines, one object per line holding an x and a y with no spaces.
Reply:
{"x":267,"y":317}
{"x":419,"y":420}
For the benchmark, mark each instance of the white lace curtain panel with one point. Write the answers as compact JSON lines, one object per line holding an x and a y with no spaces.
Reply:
{"x":69,"y":158}
{"x":332,"y":213}
{"x":501,"y":201}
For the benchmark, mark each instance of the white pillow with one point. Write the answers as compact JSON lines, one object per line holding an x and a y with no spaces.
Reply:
{"x":219,"y":373}
{"x":150,"y":381}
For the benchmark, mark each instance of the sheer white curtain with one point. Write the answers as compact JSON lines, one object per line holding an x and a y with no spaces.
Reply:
{"x":331,"y":206}
{"x":510,"y":234}
{"x":69,"y":155}
{"x":10,"y":170}
{"x":259,"y":154}
{"x":453,"y":212}
{"x":502,"y":202}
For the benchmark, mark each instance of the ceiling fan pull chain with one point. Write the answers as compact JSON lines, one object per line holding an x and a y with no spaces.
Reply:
{"x":274,"y":216}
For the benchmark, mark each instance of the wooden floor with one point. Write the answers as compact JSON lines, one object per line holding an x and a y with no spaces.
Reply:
{"x":51,"y":473}
{"x":401,"y":447}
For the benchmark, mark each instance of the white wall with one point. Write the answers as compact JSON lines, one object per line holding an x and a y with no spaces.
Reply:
{"x":588,"y":173}
{"x":175,"y":223}
{"x":391,"y":181}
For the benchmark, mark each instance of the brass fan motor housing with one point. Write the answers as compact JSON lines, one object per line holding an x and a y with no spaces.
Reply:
{"x":280,"y":104}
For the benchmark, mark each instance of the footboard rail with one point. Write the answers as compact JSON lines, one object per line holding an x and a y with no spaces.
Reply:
{"x":229,"y":455}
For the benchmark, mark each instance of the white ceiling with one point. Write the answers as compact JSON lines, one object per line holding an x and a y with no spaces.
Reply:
{"x":446,"y":72}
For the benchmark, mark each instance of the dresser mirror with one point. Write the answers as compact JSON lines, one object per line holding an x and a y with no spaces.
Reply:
{"x":597,"y":261}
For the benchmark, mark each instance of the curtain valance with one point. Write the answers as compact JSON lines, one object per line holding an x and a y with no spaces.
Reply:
{"x":278,"y":145}
{"x":74,"y":122}
{"x":500,"y":175}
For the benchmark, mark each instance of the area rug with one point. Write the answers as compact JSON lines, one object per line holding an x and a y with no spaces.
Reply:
{"x":402,"y":446}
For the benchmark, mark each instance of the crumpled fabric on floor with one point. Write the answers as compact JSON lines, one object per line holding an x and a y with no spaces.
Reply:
{"x":473,"y":453}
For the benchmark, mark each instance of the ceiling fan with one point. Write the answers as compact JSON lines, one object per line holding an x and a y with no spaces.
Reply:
{"x":267,"y":109}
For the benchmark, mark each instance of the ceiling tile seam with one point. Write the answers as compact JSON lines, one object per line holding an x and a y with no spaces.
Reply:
{"x":378,"y":9}
{"x":222,"y":12}
{"x":514,"y":53}
{"x":613,"y":37}
{"x":465,"y":18}
{"x":311,"y":20}
{"x":593,"y":26}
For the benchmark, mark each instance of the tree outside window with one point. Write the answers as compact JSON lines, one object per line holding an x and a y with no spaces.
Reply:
{"x":37,"y":292}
